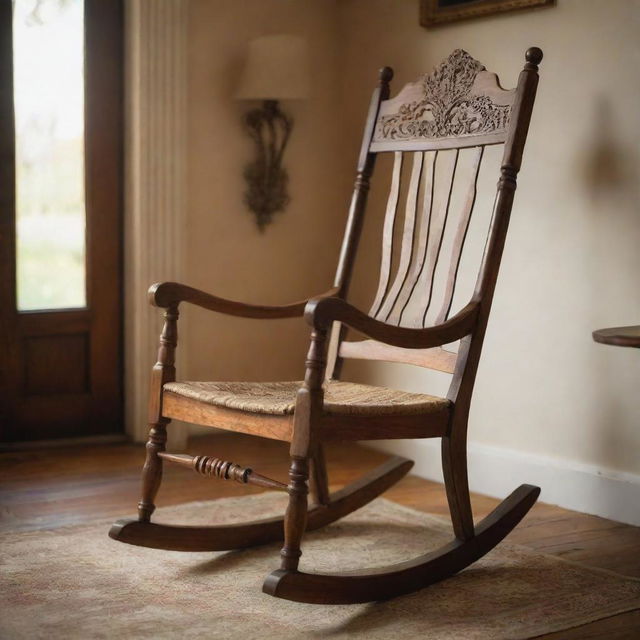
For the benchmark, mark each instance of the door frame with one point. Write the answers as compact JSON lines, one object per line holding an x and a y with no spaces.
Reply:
{"x":104,"y":144}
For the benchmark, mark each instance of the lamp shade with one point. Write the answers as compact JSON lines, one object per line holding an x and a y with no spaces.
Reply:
{"x":277,"y":68}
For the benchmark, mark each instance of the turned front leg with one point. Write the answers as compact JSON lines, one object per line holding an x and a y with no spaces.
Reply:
{"x":295,"y":519}
{"x":164,"y":371}
{"x":309,"y":403}
{"x":152,"y":470}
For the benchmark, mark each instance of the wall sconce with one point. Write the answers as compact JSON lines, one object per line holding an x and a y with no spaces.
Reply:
{"x":276,"y":69}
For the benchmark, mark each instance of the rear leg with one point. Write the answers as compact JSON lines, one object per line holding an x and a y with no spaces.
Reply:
{"x":319,"y":482}
{"x":456,"y":481}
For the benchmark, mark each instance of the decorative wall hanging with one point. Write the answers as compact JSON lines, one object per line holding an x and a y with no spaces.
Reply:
{"x":276,"y":69}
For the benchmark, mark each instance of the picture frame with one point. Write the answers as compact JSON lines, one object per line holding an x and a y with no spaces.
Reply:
{"x":435,"y":13}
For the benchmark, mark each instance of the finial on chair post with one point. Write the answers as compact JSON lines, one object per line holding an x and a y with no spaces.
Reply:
{"x":533,"y":56}
{"x":385,"y":76}
{"x":520,"y":117}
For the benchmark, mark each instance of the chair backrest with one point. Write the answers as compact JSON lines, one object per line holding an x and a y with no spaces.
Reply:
{"x":437,"y":130}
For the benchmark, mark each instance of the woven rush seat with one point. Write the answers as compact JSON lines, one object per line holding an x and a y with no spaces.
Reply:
{"x":278,"y":398}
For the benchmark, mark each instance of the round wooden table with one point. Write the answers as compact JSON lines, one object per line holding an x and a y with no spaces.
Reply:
{"x":619,"y":336}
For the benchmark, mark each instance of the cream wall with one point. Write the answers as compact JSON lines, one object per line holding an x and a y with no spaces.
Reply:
{"x":226,"y":254}
{"x":572,"y":259}
{"x":545,"y":393}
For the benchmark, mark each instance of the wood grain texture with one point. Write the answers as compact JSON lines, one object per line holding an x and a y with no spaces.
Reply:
{"x":407,"y":240}
{"x":9,"y":347}
{"x":166,"y":294}
{"x":460,"y":392}
{"x":353,"y":230}
{"x":276,"y":427}
{"x":321,"y":313}
{"x":366,"y":164}
{"x":295,"y":517}
{"x":382,"y":583}
{"x":242,"y":535}
{"x":163,"y":371}
{"x":211,"y":467}
{"x":422,"y":243}
{"x":319,"y":479}
{"x":434,"y":358}
{"x":426,"y":279}
{"x":304,"y":443}
{"x":104,"y":179}
{"x":387,"y":235}
{"x":459,"y":239}
{"x":333,"y":427}
{"x":349,"y":428}
{"x":619,"y":336}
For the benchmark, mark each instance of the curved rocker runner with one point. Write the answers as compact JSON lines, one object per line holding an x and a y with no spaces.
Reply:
{"x":438,"y":124}
{"x":249,"y":534}
{"x":386,"y":582}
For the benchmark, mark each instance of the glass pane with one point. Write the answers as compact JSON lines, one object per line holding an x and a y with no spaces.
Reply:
{"x":48,"y":64}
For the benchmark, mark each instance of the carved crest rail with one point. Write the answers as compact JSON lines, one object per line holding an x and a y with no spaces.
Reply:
{"x":459,"y":99}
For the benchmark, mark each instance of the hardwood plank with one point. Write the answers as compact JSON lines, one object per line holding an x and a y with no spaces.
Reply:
{"x":622,"y":627}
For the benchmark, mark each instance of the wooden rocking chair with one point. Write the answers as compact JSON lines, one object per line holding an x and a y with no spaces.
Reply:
{"x":461,"y":108}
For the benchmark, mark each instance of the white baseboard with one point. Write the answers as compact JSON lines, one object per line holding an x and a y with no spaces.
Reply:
{"x":496,"y":472}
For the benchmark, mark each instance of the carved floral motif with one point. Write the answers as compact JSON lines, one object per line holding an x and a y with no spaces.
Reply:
{"x":448,"y":107}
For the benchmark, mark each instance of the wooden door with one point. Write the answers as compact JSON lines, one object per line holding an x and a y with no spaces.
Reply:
{"x":60,"y":218}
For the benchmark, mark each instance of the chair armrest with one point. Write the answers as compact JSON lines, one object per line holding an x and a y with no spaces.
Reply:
{"x":321,"y":312}
{"x":167,"y":294}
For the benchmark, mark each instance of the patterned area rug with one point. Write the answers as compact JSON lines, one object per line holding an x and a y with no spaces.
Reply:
{"x":76,"y":583}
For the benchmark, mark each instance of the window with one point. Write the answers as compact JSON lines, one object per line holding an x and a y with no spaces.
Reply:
{"x":48,"y":76}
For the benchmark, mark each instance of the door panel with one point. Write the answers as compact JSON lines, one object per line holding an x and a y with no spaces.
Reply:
{"x":61,"y":368}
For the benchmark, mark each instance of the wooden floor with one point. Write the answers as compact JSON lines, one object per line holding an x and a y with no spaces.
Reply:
{"x":72,"y":484}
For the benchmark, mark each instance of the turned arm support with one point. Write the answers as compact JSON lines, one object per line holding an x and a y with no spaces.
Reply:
{"x":321,"y":312}
{"x":170,"y":294}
